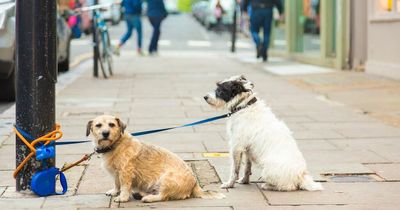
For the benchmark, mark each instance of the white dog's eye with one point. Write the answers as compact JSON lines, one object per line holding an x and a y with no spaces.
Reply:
{"x":98,"y":125}
{"x":111,"y":125}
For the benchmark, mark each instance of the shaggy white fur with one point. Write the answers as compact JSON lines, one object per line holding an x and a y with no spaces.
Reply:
{"x":256,"y":134}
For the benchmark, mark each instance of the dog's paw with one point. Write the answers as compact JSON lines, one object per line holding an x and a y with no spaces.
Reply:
{"x":266,"y":186}
{"x":112,"y":192}
{"x":244,"y":180}
{"x":121,"y":199}
{"x":226,"y":185}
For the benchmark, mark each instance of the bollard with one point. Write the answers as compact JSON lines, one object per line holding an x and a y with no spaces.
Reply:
{"x":95,"y":46}
{"x":36,"y":74}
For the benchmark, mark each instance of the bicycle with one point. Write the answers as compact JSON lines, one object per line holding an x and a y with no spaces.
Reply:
{"x":102,"y":41}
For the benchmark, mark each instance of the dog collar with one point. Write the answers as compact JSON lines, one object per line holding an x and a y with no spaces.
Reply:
{"x":103,"y":150}
{"x":236,"y":109}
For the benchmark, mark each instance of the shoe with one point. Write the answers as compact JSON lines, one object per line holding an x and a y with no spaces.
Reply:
{"x":116,"y":50}
{"x":153,"y":53}
{"x":265,"y":56}
{"x":140,"y":52}
{"x":259,"y":49}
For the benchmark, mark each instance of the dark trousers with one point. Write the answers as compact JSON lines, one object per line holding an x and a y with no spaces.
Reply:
{"x":261,"y":18}
{"x":156,"y":23}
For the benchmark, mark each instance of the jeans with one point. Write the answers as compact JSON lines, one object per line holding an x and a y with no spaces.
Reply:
{"x":261,"y":18}
{"x":156,"y":23}
{"x":133,"y":22}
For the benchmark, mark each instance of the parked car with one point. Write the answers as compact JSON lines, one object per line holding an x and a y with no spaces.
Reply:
{"x":7,"y":48}
{"x":204,"y":11}
{"x":112,"y":12}
{"x":199,"y":10}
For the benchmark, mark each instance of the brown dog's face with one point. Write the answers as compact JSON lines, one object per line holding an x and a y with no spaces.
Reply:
{"x":106,"y":130}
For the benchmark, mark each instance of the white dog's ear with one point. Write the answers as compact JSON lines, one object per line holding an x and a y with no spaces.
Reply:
{"x":89,"y":127}
{"x":121,"y":124}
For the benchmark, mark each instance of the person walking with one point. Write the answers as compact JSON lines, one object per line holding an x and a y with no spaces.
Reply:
{"x":133,"y":11}
{"x":261,"y":17}
{"x":156,"y":13}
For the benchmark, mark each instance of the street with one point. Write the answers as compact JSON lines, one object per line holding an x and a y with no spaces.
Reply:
{"x":350,"y":143}
{"x":180,"y":32}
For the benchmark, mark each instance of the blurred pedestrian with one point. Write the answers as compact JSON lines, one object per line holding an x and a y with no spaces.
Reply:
{"x":261,"y":17}
{"x":133,"y":11}
{"x":156,"y":13}
{"x":219,"y":11}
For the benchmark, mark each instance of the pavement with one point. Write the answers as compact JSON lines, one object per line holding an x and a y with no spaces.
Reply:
{"x":354,"y":154}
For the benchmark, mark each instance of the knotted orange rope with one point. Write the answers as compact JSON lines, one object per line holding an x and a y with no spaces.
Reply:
{"x":52,"y":136}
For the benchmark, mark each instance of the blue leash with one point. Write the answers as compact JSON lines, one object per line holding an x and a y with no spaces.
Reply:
{"x":141,"y":133}
{"x":182,"y":126}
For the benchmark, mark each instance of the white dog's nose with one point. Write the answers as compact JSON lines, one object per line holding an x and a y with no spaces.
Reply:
{"x":206,"y":98}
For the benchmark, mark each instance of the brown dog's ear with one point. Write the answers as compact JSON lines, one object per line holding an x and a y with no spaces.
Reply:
{"x":89,"y":127}
{"x":121,"y":125}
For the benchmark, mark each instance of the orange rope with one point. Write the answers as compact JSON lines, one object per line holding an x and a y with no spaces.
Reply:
{"x":52,"y":136}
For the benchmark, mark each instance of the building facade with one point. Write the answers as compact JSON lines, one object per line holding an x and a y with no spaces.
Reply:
{"x":342,"y":34}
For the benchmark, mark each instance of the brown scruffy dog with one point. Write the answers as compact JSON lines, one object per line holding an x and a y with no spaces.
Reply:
{"x":153,"y":173}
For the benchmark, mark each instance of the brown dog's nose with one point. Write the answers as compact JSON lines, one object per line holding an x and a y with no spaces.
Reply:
{"x":206,"y":98}
{"x":106,"y":134}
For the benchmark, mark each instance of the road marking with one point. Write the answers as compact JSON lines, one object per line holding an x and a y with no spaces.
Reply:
{"x":79,"y":59}
{"x":164,"y":42}
{"x":241,"y":44}
{"x":198,"y":43}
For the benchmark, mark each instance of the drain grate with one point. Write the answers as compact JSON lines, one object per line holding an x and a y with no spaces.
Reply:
{"x":204,"y":172}
{"x":352,"y":177}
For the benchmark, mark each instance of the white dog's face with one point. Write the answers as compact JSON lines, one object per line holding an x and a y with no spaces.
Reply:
{"x":106,"y":130}
{"x":229,"y":91}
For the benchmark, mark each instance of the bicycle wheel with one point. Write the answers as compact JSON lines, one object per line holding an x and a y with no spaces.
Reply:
{"x":104,"y":52}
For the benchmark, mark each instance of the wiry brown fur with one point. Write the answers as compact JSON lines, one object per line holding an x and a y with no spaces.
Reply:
{"x":154,"y":172}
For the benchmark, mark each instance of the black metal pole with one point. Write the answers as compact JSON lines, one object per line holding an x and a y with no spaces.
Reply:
{"x":95,"y":45}
{"x":36,"y":69}
{"x":234,"y":24}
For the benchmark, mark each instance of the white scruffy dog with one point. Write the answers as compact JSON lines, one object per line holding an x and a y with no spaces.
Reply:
{"x":255,"y":132}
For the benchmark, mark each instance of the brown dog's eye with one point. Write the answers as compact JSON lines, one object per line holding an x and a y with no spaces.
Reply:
{"x":111,"y":125}
{"x":98,"y":125}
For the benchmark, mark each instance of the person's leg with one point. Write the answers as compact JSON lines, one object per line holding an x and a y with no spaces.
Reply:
{"x":129,"y":28}
{"x":267,"y":32}
{"x":255,"y":25}
{"x":127,"y":35}
{"x":156,"y":23}
{"x":138,"y":26}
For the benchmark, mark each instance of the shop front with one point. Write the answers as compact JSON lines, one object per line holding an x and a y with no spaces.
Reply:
{"x":314,"y":31}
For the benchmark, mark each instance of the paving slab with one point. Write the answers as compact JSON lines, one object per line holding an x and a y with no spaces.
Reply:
{"x":340,"y":194}
{"x":234,"y":197}
{"x":27,"y":203}
{"x":78,"y":201}
{"x":388,"y":171}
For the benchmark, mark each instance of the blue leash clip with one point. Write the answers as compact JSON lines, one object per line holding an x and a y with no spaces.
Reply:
{"x":45,"y":152}
{"x":44,"y":182}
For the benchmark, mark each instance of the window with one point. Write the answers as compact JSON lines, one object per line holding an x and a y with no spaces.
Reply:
{"x":386,"y":9}
{"x":384,"y":6}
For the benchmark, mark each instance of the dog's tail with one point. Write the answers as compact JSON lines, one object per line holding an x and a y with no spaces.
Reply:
{"x":309,"y":184}
{"x":199,"y":193}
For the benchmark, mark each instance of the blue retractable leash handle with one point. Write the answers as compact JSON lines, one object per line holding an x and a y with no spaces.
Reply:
{"x":44,"y":182}
{"x":181,"y":126}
